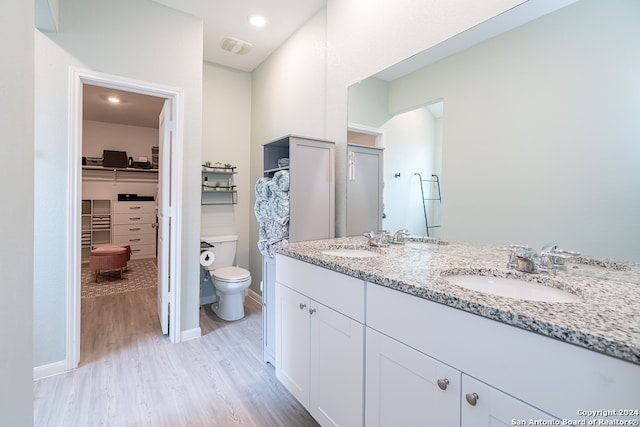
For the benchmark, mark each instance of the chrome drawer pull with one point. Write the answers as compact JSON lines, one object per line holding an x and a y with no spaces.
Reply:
{"x":472,"y":398}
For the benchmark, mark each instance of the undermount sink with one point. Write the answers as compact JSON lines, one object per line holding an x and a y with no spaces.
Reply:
{"x":351,"y":253}
{"x":512,"y":288}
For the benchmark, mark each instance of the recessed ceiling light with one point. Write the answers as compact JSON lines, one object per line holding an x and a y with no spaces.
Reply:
{"x":113,"y":99}
{"x":257,"y":20}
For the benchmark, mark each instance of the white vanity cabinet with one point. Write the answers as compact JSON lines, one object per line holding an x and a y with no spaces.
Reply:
{"x":320,"y":340}
{"x":407,"y":388}
{"x":483,"y":405}
{"x":134,"y":223}
{"x":516,"y":374}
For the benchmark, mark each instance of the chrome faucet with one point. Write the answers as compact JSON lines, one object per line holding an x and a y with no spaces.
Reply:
{"x":550,"y":260}
{"x":400,"y":236}
{"x":379,"y":239}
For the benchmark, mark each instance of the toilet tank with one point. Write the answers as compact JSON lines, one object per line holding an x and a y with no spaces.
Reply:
{"x":224,"y":249}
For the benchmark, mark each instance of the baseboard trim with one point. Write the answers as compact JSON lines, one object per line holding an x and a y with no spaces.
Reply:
{"x":254,"y":296}
{"x":191,"y":334}
{"x":49,"y":370}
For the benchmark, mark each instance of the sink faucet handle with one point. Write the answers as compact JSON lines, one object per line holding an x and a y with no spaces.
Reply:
{"x":552,"y":257}
{"x":517,"y":251}
{"x":400,"y":235}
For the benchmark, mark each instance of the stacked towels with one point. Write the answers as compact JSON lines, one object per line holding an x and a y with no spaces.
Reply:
{"x":272,"y":211}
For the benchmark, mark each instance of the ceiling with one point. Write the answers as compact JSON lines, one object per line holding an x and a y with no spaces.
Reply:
{"x":133,"y":109}
{"x":230,"y":18}
{"x":222,"y":18}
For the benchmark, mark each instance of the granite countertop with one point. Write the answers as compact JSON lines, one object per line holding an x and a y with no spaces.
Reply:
{"x":607,"y":319}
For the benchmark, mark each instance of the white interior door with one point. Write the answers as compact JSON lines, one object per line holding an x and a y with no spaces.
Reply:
{"x":165,"y":209}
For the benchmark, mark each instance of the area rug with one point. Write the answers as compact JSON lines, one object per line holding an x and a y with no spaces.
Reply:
{"x":140,"y":274}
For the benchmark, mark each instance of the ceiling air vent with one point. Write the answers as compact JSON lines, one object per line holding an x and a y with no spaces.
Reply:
{"x":235,"y":45}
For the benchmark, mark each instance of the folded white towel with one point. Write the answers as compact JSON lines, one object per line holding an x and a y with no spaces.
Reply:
{"x":263,"y":210}
{"x":280,"y":210}
{"x":263,"y":191}
{"x":281,"y":178}
{"x":270,"y":233}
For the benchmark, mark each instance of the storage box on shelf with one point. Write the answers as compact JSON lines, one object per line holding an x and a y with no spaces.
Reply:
{"x":217,"y":186}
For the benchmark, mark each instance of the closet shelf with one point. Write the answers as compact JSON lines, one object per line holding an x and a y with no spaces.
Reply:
{"x":100,"y":173}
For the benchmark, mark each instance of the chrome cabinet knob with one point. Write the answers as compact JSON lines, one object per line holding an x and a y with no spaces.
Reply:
{"x":443,"y":383}
{"x":472,"y":398}
{"x":312,"y":310}
{"x":302,"y":306}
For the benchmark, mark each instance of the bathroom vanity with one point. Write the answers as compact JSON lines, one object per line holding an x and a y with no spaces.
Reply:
{"x":380,"y":337}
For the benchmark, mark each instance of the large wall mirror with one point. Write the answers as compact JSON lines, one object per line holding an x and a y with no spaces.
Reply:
{"x":533,"y":134}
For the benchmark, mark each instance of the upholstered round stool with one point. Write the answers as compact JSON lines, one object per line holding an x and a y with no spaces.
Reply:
{"x":109,"y":257}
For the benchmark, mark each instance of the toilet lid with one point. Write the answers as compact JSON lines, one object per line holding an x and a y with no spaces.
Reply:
{"x":231,"y":273}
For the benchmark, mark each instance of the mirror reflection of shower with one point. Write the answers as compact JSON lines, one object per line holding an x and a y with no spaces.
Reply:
{"x":412,"y":143}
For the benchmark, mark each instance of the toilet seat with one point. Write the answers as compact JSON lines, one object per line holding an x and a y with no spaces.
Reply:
{"x":231,"y":274}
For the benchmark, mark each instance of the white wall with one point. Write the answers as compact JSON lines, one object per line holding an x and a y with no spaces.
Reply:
{"x":226,"y":138}
{"x":16,"y":215}
{"x":136,"y":39}
{"x":369,"y":103}
{"x":287,"y":98}
{"x":541,"y":145}
{"x":136,"y":141}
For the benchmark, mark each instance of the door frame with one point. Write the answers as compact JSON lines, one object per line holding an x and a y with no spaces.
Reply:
{"x":77,"y":78}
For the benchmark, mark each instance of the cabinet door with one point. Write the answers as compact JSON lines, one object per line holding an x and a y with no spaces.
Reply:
{"x":292,"y":342}
{"x":483,"y":405}
{"x":312,"y":190}
{"x":407,"y":388}
{"x":337,"y":368}
{"x":364,"y":189}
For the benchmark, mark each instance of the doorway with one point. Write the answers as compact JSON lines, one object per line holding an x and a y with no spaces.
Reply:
{"x":170,"y":184}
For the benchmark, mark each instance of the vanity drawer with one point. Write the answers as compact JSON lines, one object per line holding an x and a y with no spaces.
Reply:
{"x":338,"y":291}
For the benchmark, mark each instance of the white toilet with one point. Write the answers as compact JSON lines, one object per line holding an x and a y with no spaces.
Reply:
{"x":228,"y":281}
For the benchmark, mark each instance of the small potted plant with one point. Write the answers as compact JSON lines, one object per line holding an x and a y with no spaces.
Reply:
{"x":228,"y":167}
{"x":217,"y":185}
{"x":206,"y":166}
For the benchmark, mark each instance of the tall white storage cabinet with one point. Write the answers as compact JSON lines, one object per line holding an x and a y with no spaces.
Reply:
{"x":311,"y":169}
{"x":312,"y":184}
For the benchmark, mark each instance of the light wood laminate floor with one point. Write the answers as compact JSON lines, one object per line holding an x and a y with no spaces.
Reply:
{"x":131,"y":375}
